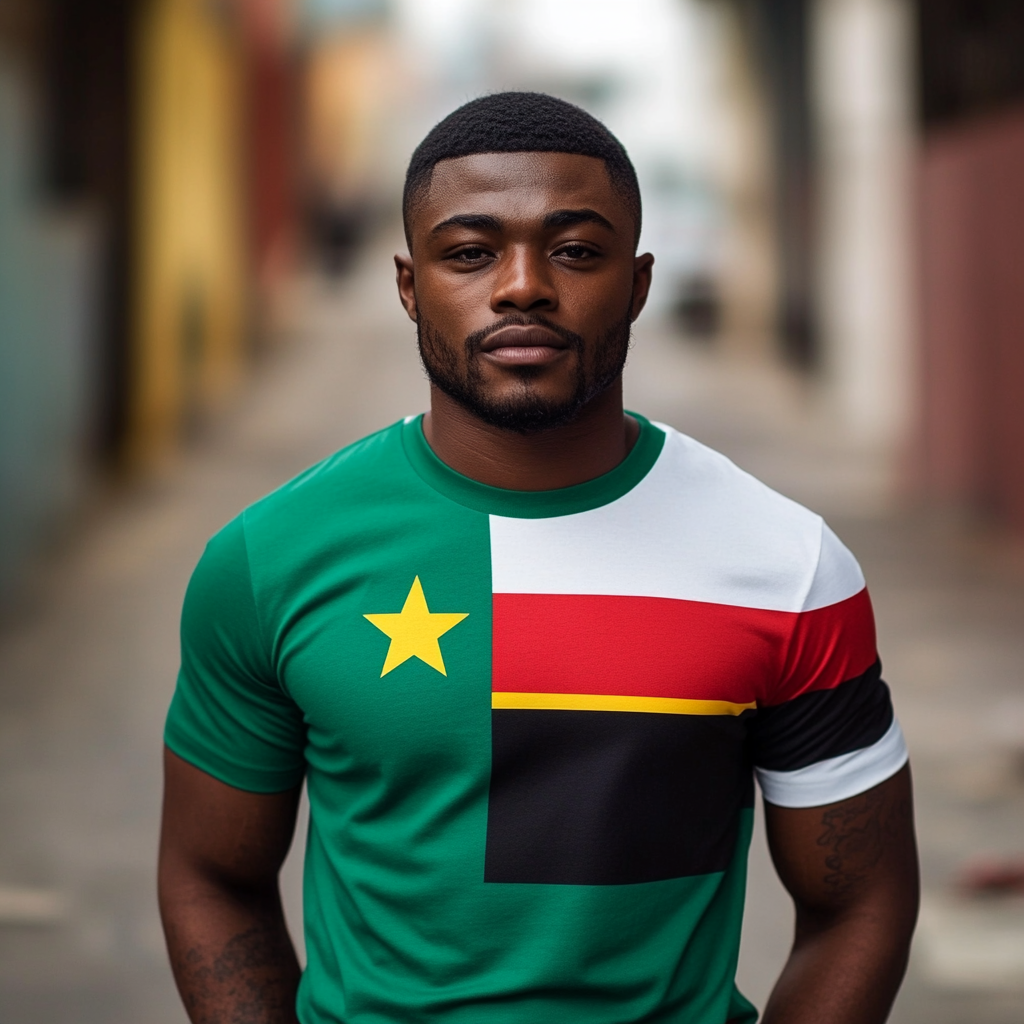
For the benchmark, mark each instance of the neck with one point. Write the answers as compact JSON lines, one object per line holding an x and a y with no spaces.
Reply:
{"x":592,"y":444}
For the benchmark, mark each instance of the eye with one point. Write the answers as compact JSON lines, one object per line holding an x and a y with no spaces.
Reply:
{"x":471,"y":254}
{"x":575,"y":252}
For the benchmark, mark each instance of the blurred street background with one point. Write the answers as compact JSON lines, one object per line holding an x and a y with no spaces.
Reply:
{"x":198,"y":209}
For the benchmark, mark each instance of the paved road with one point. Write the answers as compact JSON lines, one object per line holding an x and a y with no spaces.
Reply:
{"x":87,"y":664}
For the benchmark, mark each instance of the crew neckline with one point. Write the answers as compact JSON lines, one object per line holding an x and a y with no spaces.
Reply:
{"x":562,"y":501}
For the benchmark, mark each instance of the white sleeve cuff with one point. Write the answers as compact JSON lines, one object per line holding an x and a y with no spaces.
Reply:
{"x":837,"y":778}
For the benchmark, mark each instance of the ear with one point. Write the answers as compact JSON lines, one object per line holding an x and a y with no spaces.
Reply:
{"x":641,"y":283}
{"x":405,"y":281}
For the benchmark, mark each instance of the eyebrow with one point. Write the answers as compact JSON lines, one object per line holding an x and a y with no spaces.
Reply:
{"x":555,"y":219}
{"x":569,"y":218}
{"x":480,"y":221}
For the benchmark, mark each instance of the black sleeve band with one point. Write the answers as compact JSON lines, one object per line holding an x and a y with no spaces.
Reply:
{"x":822,"y":724}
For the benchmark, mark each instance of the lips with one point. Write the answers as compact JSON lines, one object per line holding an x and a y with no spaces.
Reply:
{"x":523,"y":345}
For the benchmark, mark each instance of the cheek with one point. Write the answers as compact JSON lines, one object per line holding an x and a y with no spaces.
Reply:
{"x":456,"y":304}
{"x":597,"y":301}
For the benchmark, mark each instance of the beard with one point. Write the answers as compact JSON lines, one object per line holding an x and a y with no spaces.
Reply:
{"x":525,"y":410}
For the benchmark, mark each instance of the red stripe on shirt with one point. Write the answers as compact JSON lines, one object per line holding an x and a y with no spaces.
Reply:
{"x":828,"y":646}
{"x":660,"y":647}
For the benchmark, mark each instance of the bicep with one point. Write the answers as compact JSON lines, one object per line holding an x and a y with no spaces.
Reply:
{"x":847,"y":854}
{"x":213,"y":829}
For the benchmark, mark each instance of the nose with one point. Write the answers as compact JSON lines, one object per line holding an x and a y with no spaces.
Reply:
{"x":524,"y":282}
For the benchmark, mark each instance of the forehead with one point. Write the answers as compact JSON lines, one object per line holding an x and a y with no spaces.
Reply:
{"x":515,"y":185}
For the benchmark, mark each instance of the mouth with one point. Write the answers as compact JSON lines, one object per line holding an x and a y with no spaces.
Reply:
{"x":523,"y":346}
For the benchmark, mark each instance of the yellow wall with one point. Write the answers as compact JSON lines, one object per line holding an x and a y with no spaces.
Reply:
{"x":190,"y":256}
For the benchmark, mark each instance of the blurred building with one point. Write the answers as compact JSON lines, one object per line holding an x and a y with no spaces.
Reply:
{"x":63,"y":237}
{"x":351,"y":75}
{"x":970,"y":190}
{"x":898,"y":142}
{"x":834,"y":184}
{"x":837,"y":77}
{"x":188,"y":308}
{"x":146,"y":218}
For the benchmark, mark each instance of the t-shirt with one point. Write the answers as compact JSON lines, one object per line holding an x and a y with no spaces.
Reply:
{"x":529,"y":721}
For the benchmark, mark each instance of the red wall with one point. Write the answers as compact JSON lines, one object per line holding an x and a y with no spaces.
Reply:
{"x":270,"y":150}
{"x":971,"y":195}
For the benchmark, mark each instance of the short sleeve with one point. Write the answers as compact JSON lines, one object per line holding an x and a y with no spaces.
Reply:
{"x":828,"y":731}
{"x":229,"y":716}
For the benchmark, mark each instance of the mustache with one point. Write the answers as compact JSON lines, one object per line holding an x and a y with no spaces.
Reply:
{"x":476,"y":339}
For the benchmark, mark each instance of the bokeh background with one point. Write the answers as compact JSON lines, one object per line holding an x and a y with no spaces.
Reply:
{"x":198,"y":208}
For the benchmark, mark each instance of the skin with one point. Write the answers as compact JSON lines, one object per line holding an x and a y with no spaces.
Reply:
{"x":583,"y":277}
{"x":851,"y":868}
{"x":221,"y":850}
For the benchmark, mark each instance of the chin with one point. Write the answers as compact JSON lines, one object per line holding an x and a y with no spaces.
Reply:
{"x":528,"y":421}
{"x":529,"y":413}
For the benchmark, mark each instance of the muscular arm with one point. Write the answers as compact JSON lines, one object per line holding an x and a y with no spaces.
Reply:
{"x":851,"y":869}
{"x":220,"y":852}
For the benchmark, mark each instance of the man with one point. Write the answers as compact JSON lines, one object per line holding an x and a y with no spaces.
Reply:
{"x":527,"y":651}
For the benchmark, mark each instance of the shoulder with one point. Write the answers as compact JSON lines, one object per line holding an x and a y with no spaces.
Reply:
{"x":286,"y":531}
{"x":750,"y":544}
{"x":361,"y":466}
{"x":723,"y":489}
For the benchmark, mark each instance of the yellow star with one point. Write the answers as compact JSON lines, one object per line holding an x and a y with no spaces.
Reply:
{"x":415,"y":630}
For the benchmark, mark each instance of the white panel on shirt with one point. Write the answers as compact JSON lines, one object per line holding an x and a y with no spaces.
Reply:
{"x":696,"y":528}
{"x":837,"y":778}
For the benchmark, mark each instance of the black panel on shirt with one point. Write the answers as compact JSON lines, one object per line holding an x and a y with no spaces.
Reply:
{"x":822,"y":724}
{"x":613,"y":797}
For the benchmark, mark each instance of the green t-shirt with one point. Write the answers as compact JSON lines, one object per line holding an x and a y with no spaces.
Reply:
{"x":524,"y":720}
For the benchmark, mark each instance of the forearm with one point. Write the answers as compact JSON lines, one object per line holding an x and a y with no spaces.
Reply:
{"x":846,"y":971}
{"x":232,"y":957}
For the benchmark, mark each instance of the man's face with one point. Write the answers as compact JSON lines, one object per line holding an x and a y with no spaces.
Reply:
{"x":523,"y":284}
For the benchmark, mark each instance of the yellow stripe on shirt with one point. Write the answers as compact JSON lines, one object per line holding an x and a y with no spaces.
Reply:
{"x":615,"y":702}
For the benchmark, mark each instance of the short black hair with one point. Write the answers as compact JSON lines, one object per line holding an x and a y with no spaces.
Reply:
{"x":520,"y":122}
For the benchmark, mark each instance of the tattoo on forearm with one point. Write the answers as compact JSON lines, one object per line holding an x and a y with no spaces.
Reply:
{"x":251,"y":981}
{"x":857,"y":834}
